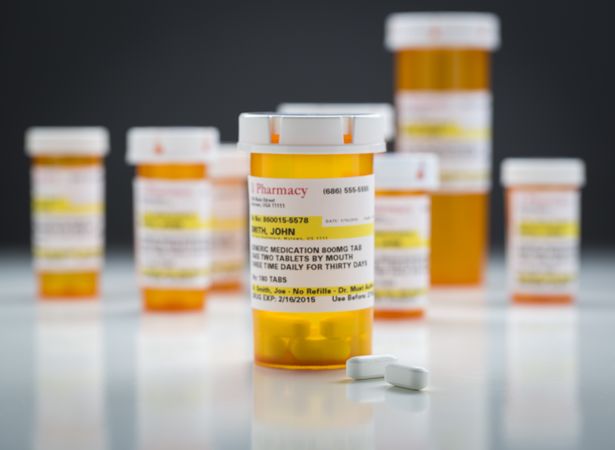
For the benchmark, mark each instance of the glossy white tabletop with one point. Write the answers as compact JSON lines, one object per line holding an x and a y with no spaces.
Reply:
{"x":103,"y":375}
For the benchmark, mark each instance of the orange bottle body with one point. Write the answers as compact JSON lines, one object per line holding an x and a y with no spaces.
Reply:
{"x":309,"y":340}
{"x":444,"y":107}
{"x":542,"y":241}
{"x":68,"y":225}
{"x":172,"y":235}
{"x":402,"y":241}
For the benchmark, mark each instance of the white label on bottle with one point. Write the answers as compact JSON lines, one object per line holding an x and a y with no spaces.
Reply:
{"x":229,"y":231}
{"x":543,"y":241}
{"x":68,"y":218}
{"x":173,"y":233}
{"x":402,"y":252}
{"x":312,"y":243}
{"x":455,"y":126}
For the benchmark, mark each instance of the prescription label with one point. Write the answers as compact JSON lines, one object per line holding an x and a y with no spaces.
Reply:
{"x":173,"y":233}
{"x":312,"y":243}
{"x":402,"y":252}
{"x":68,"y":218}
{"x":543,"y":241}
{"x":230,"y":231}
{"x":455,"y":126}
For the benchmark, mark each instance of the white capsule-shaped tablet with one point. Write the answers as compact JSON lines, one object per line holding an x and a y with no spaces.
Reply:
{"x":368,"y":366}
{"x":407,"y":377}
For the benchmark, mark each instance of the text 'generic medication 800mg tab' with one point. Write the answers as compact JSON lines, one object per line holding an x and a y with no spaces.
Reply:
{"x":404,"y":183}
{"x":229,"y":175}
{"x":312,"y":236}
{"x":543,"y":205}
{"x":443,"y":105}
{"x":68,"y":209}
{"x":172,"y":208}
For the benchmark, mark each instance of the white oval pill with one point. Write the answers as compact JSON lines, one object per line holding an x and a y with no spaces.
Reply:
{"x":368,"y":366}
{"x":407,"y":377}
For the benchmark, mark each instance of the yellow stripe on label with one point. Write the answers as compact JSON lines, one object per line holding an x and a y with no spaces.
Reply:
{"x":304,"y":228}
{"x":545,"y":278}
{"x":400,"y":239}
{"x":173,"y":273}
{"x":549,"y":229}
{"x":400,"y":293}
{"x":66,"y":253}
{"x":228,"y":224}
{"x":174,"y":221}
{"x":64,"y":206}
{"x":460,"y":175}
{"x":312,"y":291}
{"x":449,"y":130}
{"x":222,"y":267}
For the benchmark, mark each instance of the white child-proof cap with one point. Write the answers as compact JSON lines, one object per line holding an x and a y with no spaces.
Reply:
{"x":317,"y":134}
{"x":230,"y":162}
{"x":543,"y":171}
{"x":164,"y":145}
{"x":411,"y":171}
{"x":442,"y":29}
{"x":77,"y":141}
{"x":385,"y":110}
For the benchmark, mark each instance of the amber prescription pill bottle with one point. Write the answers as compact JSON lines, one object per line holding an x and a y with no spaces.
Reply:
{"x":443,"y":103}
{"x":385,"y":110}
{"x":229,"y":175}
{"x":404,"y":183}
{"x":311,"y":196}
{"x":543,"y":204}
{"x":172,"y":214}
{"x":68,"y":209}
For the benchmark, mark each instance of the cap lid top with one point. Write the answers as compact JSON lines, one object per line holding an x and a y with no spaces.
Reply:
{"x":171,"y":144}
{"x":418,"y":171}
{"x":311,"y":133}
{"x":67,"y":141}
{"x":385,"y":110}
{"x":442,"y":29}
{"x":230,"y":162}
{"x":543,"y":171}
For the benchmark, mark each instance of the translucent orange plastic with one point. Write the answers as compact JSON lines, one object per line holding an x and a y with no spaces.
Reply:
{"x":459,"y":221}
{"x":536,"y":299}
{"x":311,"y":340}
{"x":394,"y":314}
{"x":173,"y":300}
{"x":68,"y":285}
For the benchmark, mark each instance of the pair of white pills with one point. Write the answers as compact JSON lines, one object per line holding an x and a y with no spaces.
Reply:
{"x":379,"y":366}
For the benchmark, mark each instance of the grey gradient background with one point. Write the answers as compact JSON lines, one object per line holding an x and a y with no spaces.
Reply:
{"x":123,"y":64}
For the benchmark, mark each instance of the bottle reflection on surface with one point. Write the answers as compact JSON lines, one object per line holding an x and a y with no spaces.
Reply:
{"x":541,"y":405}
{"x":173,"y":394}
{"x":307,"y":410}
{"x":69,"y":377}
{"x":458,"y":344}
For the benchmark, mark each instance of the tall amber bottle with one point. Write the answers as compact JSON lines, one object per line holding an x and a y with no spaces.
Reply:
{"x":443,"y":102}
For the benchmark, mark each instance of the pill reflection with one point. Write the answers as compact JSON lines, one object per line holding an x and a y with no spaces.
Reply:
{"x":69,"y":377}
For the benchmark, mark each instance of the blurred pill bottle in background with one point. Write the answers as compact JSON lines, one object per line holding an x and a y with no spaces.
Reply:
{"x":404,"y":183}
{"x":443,"y":106}
{"x":311,"y":195}
{"x":385,"y":110}
{"x":68,"y":209}
{"x":172,"y":214}
{"x":229,"y":174}
{"x":543,"y":205}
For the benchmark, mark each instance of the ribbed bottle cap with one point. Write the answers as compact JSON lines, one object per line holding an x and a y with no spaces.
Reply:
{"x":543,"y":171}
{"x":171,"y":144}
{"x":410,"y":171}
{"x":311,"y":133}
{"x":78,"y":141}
